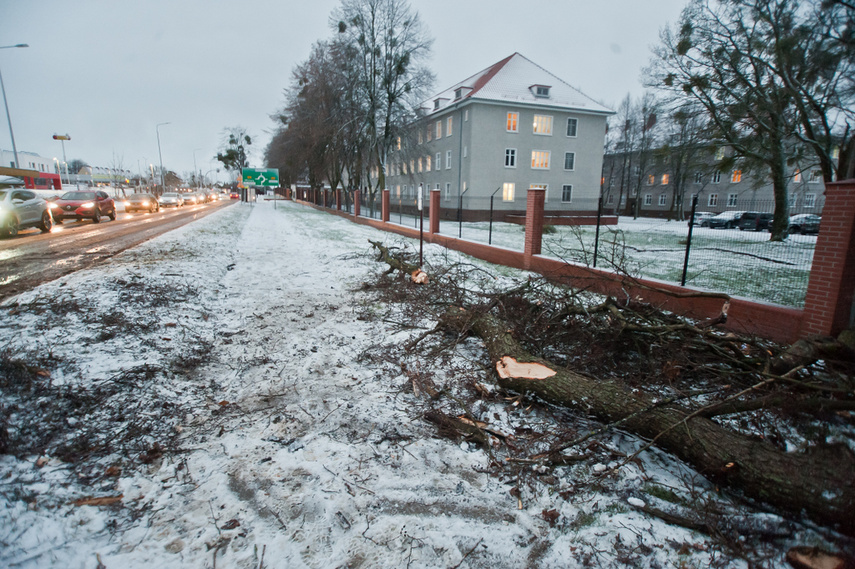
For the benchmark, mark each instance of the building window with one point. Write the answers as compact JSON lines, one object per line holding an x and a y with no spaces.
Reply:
{"x":716,"y":177}
{"x":412,"y":167}
{"x":699,"y":177}
{"x":458,"y":93}
{"x":448,"y":126}
{"x":510,"y":157}
{"x":465,"y":151}
{"x":719,"y":154}
{"x":663,"y":199}
{"x":438,"y":130}
{"x":513,"y":122}
{"x":542,"y":125}
{"x":447,"y":191}
{"x":651,"y":179}
{"x":810,"y":201}
{"x":508,"y":192}
{"x":466,"y":115}
{"x":438,"y":161}
{"x":429,"y":133}
{"x":541,"y":91}
{"x":712,"y":201}
{"x":567,"y":193}
{"x":398,"y":191}
{"x":448,"y":159}
{"x":665,"y":179}
{"x":420,"y":137}
{"x":797,"y":176}
{"x":731,"y":200}
{"x":815,"y":176}
{"x":569,"y":160}
{"x":572,"y":125}
{"x":736,"y":177}
{"x":427,"y":163}
{"x":420,"y":164}
{"x":648,"y":199}
{"x":540,"y":159}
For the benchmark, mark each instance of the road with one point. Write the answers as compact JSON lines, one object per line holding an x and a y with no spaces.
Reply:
{"x":33,"y":257}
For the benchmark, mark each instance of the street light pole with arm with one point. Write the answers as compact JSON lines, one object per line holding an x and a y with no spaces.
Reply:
{"x":160,"y":155}
{"x":6,"y":103}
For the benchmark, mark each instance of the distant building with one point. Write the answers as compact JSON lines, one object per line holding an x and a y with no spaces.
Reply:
{"x":508,"y":128}
{"x":720,"y":184}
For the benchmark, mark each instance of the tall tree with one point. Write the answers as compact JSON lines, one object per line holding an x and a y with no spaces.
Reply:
{"x":719,"y":57}
{"x":687,"y":151}
{"x":235,"y":153}
{"x":390,"y":48}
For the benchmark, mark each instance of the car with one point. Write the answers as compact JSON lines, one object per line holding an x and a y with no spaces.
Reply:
{"x":727,"y":220}
{"x":755,"y":221}
{"x":141,"y":202}
{"x":190,"y":198}
{"x":701,"y":217}
{"x":87,"y":204}
{"x":234,"y":196}
{"x":21,"y":208}
{"x":804,"y":223}
{"x":171,"y":199}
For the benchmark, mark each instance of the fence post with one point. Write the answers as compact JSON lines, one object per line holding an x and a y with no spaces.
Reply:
{"x":534,"y":222}
{"x":434,"y":211}
{"x":357,"y":198}
{"x":597,"y":232}
{"x":689,"y":239}
{"x":829,"y":307}
{"x":384,"y":206}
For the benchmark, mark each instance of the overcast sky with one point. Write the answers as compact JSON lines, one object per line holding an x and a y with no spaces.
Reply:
{"x":106,"y":72}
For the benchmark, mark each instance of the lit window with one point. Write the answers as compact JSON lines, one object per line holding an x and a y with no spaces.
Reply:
{"x":572,"y":124}
{"x":438,"y":130}
{"x":651,"y":179}
{"x":567,"y":193}
{"x":508,"y":192}
{"x":712,"y":201}
{"x":420,"y":164}
{"x":429,"y":133}
{"x":427,"y":163}
{"x":665,"y":179}
{"x":797,"y":177}
{"x":510,"y":157}
{"x":663,"y":199}
{"x":736,"y":176}
{"x":420,"y":137}
{"x":731,"y":200}
{"x":448,"y":160}
{"x":540,"y":159}
{"x":399,"y":143}
{"x":542,"y":124}
{"x":412,"y":166}
{"x":719,"y":154}
{"x":648,"y":199}
{"x":404,"y":166}
{"x":448,"y":127}
{"x":513,"y":122}
{"x":569,"y":160}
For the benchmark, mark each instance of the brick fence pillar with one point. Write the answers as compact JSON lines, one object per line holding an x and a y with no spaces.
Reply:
{"x":338,"y":199}
{"x":356,"y":204}
{"x":831,"y":289}
{"x":534,"y":221}
{"x":435,"y":196}
{"x":384,"y":206}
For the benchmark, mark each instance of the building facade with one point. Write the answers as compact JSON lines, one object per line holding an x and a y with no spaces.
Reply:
{"x":508,"y":128}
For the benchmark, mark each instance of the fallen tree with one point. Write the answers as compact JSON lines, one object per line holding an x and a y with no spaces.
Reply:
{"x":819,"y":483}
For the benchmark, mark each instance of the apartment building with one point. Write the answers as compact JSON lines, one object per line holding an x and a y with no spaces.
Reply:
{"x":508,"y":128}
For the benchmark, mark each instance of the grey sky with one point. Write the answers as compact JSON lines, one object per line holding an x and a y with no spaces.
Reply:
{"x":107,"y":71}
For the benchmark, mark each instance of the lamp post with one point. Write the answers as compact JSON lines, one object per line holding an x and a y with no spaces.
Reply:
{"x":160,"y":155}
{"x":195,"y":169}
{"x":6,"y":103}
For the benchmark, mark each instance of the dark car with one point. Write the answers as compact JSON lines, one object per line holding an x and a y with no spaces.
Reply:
{"x":23,"y":208}
{"x":755,"y":221}
{"x":727,"y":220}
{"x":804,"y":223}
{"x":142,"y":202}
{"x":89,"y":204}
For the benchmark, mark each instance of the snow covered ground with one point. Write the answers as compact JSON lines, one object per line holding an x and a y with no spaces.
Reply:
{"x":210,"y":385}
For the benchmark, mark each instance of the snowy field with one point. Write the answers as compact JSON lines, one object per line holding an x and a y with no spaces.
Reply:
{"x":209,"y":388}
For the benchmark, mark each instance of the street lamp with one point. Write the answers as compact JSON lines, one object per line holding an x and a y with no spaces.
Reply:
{"x":162,"y":180}
{"x":6,"y":103}
{"x":195,"y":170}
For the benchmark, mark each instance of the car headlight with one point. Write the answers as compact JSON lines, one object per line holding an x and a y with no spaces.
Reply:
{"x":127,"y":204}
{"x":87,"y":205}
{"x":52,"y":205}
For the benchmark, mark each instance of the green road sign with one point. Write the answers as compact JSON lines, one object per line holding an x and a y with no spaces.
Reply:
{"x":264,"y":177}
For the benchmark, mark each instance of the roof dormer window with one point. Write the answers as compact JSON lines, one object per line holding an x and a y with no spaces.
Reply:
{"x":541,"y":91}
{"x":458,"y":93}
{"x":436,"y":104}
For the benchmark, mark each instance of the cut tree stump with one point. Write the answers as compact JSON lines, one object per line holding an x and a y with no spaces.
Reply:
{"x":819,"y":483}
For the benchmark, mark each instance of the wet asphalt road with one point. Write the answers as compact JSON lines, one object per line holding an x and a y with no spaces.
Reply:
{"x":33,"y":257}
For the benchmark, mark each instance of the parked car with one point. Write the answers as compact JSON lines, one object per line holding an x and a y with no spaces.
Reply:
{"x":90,"y":204}
{"x":755,"y":221}
{"x":171,"y":199}
{"x":701,"y":217}
{"x":23,"y":208}
{"x":804,"y":223}
{"x":142,"y":202}
{"x":727,"y":220}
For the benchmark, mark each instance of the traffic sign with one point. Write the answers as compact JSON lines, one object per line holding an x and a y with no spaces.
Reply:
{"x":265,"y":177}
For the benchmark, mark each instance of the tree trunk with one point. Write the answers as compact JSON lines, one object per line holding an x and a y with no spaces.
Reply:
{"x":819,"y":483}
